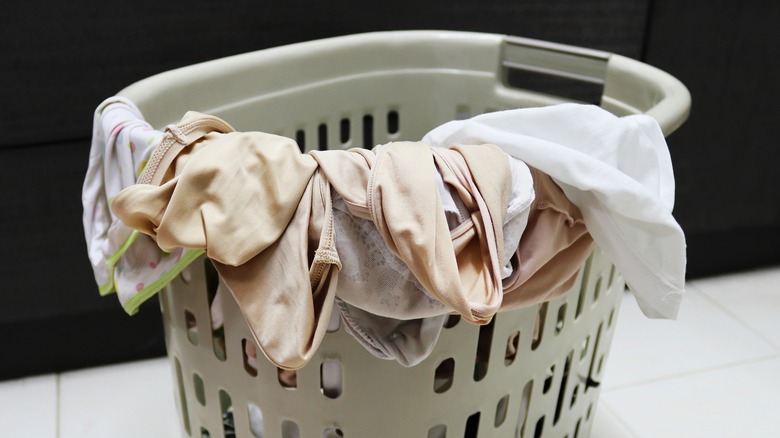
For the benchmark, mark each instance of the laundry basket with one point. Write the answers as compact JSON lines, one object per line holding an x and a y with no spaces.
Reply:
{"x":538,"y":369}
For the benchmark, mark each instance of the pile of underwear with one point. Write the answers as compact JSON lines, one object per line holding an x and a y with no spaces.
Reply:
{"x":482,"y":215}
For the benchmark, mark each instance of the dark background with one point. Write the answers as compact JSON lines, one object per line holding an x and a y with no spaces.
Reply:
{"x":59,"y":61}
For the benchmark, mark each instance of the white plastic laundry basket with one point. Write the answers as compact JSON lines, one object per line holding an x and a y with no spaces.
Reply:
{"x":530,"y":372}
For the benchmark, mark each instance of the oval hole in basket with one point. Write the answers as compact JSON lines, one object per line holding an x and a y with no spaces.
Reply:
{"x":185,"y":416}
{"x":300,"y":138}
{"x":322,"y":137}
{"x":287,"y":378}
{"x":393,"y":124}
{"x":525,"y":401}
{"x":216,"y":315}
{"x":344,"y":131}
{"x":332,"y":432}
{"x":561,"y":318}
{"x":290,"y":429}
{"x":444,"y":375}
{"x":501,"y":408}
{"x":511,"y":347}
{"x":482,"y":358}
{"x":331,"y":378}
{"x":249,"y":353}
{"x":200,"y":393}
{"x":451,"y":321}
{"x":541,"y":317}
{"x":368,"y":131}
{"x":438,"y":431}
{"x":226,"y":409}
{"x":335,"y":322}
{"x":472,"y":426}
{"x":192,"y":327}
{"x":256,"y":421}
{"x":539,"y":428}
{"x":204,"y":433}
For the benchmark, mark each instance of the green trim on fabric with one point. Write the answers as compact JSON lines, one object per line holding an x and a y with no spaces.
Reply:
{"x":108,"y":288}
{"x":112,"y":261}
{"x":131,"y":306}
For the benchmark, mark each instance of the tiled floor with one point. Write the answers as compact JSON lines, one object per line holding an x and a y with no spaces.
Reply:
{"x":713,"y":373}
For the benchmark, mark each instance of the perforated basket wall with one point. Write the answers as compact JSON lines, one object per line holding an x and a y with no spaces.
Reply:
{"x":527,"y":382}
{"x":358,"y":91}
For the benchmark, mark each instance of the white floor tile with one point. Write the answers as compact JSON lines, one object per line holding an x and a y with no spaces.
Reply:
{"x":28,"y":407}
{"x":752,"y":297}
{"x":704,"y":336}
{"x":128,"y":400}
{"x":607,"y":425}
{"x":736,"y":401}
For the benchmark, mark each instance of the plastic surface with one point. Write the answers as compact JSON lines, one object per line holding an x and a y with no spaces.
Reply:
{"x":362,"y":90}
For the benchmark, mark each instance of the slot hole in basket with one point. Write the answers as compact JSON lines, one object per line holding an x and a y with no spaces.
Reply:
{"x":484,"y":341}
{"x":335,"y":322}
{"x":185,"y":416}
{"x":562,"y":390}
{"x":200,"y":393}
{"x":462,"y":112}
{"x":583,"y":286}
{"x":257,"y":422}
{"x":289,"y":430}
{"x":443,"y":376}
{"x":331,"y":378}
{"x":597,"y":289}
{"x":548,"y":380}
{"x":574,"y":395}
{"x":250,"y":357}
{"x":300,"y":138}
{"x":501,"y":408}
{"x":215,"y":296}
{"x":472,"y":426}
{"x":438,"y":431}
{"x":584,"y":352}
{"x":561,"y":318}
{"x":322,"y":137}
{"x":612,"y":272}
{"x":344,"y":131}
{"x":192,"y":327}
{"x":587,"y":414}
{"x":287,"y":378}
{"x":611,"y":317}
{"x":204,"y":433}
{"x":368,"y":131}
{"x":226,"y":409}
{"x":601,"y":362}
{"x":539,"y":428}
{"x":511,"y":347}
{"x":451,"y":321}
{"x":541,"y":316}
{"x":332,"y":432}
{"x":577,"y":428}
{"x":525,"y":401}
{"x":393,"y":125}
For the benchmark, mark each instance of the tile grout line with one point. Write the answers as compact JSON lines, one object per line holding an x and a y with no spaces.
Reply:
{"x":690,"y":373}
{"x":735,"y":317}
{"x":618,"y":417}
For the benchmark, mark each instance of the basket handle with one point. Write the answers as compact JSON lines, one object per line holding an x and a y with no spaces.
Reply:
{"x":629,"y":86}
